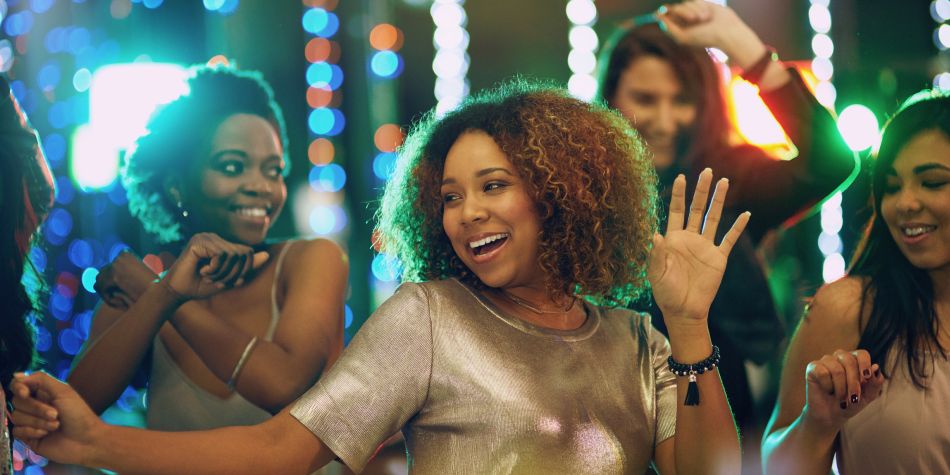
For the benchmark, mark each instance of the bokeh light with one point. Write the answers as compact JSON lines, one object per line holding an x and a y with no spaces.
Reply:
{"x":859,"y":127}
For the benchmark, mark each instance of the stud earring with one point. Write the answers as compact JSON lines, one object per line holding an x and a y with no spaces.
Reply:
{"x":181,"y":209}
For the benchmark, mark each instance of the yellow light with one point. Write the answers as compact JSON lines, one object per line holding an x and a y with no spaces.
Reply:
{"x":753,"y":121}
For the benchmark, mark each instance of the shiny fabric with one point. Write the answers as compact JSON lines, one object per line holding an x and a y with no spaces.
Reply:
{"x":905,"y":432}
{"x":477,"y":391}
{"x":6,"y":459}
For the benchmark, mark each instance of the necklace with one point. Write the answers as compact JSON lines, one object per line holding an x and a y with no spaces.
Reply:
{"x":528,"y":305}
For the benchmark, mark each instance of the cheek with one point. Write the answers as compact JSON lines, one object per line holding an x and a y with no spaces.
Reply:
{"x":686,"y":116}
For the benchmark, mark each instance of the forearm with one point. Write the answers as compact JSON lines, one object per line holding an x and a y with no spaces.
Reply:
{"x":745,"y":49}
{"x":233,"y":450}
{"x":270,"y":378}
{"x":706,"y":438}
{"x":106,"y":365}
{"x":798,"y":449}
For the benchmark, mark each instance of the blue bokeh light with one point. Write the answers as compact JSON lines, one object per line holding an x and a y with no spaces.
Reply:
{"x":59,"y":223}
{"x":54,"y":146}
{"x":40,"y":6}
{"x":80,"y":253}
{"x":385,"y":268}
{"x":60,"y":306}
{"x":38,"y":258}
{"x":78,"y":41}
{"x":64,"y":190}
{"x":82,"y":322}
{"x":386,"y":64}
{"x":44,"y":341}
{"x":324,"y":75}
{"x":49,"y":76}
{"x":324,"y":121}
{"x":320,"y":22}
{"x":330,"y":178}
{"x":327,"y":219}
{"x":70,"y":341}
{"x":384,"y":164}
{"x":347,"y":316}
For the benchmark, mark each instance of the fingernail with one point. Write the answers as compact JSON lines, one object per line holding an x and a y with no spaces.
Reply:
{"x":51,"y":414}
{"x":238,"y":282}
{"x":867,"y":373}
{"x":844,"y":404}
{"x":854,"y":399}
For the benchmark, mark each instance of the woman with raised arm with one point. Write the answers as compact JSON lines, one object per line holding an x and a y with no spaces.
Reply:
{"x":266,"y":318}
{"x":866,"y":377}
{"x":657,"y":72}
{"x":524,"y":220}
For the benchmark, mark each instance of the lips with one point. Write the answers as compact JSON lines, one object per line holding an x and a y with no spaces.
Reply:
{"x":914,"y":233}
{"x":485,"y":246}
{"x":254,"y":213}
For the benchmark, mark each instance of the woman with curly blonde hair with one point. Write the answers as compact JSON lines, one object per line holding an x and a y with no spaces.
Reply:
{"x":524,"y":218}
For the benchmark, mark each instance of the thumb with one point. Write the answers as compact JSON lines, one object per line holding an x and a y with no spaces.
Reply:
{"x":260,"y":258}
{"x":670,"y":27}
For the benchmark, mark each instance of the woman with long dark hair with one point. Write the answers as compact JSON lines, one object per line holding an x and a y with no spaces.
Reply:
{"x":866,"y":378}
{"x":657,"y":72}
{"x":26,"y":195}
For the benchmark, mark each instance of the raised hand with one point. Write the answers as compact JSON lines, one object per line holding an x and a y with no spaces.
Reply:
{"x":708,"y":25}
{"x":124,"y":280}
{"x":840,"y":385}
{"x":209,"y":264}
{"x":51,"y":418}
{"x":686,"y":266}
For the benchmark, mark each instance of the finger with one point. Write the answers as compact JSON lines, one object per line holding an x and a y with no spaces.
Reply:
{"x":43,"y":385}
{"x":246,"y":268}
{"x":864,"y":364}
{"x":23,"y":419}
{"x":213,"y":266}
{"x":27,"y":433}
{"x":713,"y":215}
{"x":681,"y":13}
{"x":729,"y":240}
{"x":698,"y":205}
{"x":25,"y":400}
{"x":873,"y":388}
{"x":231,"y":259}
{"x":853,"y":375}
{"x":677,"y":205}
{"x":839,"y":377}
{"x":237,"y":271}
{"x":818,"y":374}
{"x":260,"y":258}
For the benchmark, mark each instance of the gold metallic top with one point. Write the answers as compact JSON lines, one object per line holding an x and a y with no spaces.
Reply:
{"x":475,"y":390}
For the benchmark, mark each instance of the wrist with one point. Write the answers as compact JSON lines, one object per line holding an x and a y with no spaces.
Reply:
{"x":98,"y":445}
{"x":815,"y":429}
{"x":690,"y":343}
{"x":743,"y":47}
{"x":172,"y":297}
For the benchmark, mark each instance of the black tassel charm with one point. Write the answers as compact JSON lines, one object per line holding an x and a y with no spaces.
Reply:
{"x":692,"y":391}
{"x":691,"y":370}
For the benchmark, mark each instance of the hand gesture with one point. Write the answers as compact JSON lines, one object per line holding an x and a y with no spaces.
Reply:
{"x":707,"y":25}
{"x":209,"y":264}
{"x":123,"y":281}
{"x":840,"y":385}
{"x":51,"y":418}
{"x":686,"y":266}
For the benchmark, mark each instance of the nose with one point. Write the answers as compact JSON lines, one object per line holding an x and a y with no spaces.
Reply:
{"x":907,"y":201}
{"x":664,"y":120}
{"x":257,"y":184}
{"x":473,"y":211}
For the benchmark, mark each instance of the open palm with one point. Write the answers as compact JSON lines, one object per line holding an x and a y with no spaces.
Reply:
{"x":686,"y":265}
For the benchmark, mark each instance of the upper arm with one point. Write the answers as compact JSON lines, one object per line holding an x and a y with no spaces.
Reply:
{"x":298,"y":446}
{"x":830,"y":323}
{"x":102,"y":319}
{"x":311,"y":323}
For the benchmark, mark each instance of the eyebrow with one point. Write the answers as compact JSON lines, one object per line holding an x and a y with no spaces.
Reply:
{"x":228,"y":151}
{"x":480,"y":173}
{"x":929,"y":166}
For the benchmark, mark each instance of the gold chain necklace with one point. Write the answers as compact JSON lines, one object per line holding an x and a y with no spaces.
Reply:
{"x":528,"y":305}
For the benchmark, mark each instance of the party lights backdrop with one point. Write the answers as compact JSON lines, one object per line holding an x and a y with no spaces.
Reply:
{"x":351,"y":76}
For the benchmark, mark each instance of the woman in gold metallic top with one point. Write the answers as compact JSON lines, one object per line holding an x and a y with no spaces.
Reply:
{"x":528,"y":218}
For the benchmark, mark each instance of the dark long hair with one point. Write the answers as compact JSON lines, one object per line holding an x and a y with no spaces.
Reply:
{"x":897,"y":296}
{"x":26,"y":188}
{"x":696,"y":72}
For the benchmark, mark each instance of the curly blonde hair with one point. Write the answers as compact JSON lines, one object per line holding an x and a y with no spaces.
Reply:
{"x":587,"y":171}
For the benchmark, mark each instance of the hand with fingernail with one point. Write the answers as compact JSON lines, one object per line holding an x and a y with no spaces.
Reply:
{"x":840,"y":385}
{"x":123,"y":281}
{"x":210,"y":264}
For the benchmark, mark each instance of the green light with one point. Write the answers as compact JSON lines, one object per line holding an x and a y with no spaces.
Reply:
{"x":859,"y":127}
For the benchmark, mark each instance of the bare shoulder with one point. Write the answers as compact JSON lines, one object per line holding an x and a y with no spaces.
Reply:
{"x":314,"y":256}
{"x":838,"y":302}
{"x":832,"y":319}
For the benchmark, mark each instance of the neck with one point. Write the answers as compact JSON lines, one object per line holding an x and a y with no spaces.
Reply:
{"x":535,"y":306}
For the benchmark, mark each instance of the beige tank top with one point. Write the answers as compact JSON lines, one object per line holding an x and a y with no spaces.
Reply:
{"x":905,"y":431}
{"x":175,"y":403}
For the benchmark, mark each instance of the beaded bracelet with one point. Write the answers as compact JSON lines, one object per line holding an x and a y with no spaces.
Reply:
{"x":691,"y":370}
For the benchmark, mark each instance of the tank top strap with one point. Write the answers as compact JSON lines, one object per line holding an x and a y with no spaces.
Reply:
{"x":275,"y":309}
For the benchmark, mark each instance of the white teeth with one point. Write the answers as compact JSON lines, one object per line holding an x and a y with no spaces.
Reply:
{"x":489,"y":239}
{"x":917,"y":231}
{"x":252,"y":212}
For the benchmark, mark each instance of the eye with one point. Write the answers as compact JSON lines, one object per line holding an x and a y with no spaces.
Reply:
{"x":450,"y":198}
{"x":274,"y":172}
{"x":231,"y":167}
{"x":934,"y":184}
{"x":891,"y":186}
{"x":495,"y":185}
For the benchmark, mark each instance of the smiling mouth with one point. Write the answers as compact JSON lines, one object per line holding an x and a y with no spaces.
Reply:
{"x":488,"y":244}
{"x":915,"y":231}
{"x":252,"y":213}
